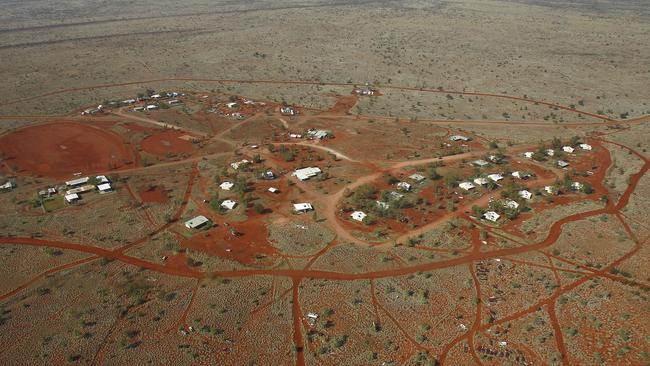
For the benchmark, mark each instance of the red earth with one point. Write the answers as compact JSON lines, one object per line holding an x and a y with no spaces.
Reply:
{"x":167,"y":142}
{"x":154,"y":194}
{"x":61,"y":149}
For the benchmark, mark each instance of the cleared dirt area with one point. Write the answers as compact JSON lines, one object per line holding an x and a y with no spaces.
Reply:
{"x":62,"y":149}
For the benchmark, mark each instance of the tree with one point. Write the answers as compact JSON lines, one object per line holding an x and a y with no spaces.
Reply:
{"x":493,"y":145}
{"x":432,"y":172}
{"x":557,"y":143}
{"x":259,"y":208}
{"x":450,"y":181}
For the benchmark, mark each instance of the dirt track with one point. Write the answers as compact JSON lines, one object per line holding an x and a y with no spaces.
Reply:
{"x":329,"y":204}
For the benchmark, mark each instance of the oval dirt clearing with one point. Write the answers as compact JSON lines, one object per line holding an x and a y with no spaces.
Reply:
{"x":58,"y":150}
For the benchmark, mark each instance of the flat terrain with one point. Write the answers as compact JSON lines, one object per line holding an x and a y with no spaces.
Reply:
{"x":484,"y":206}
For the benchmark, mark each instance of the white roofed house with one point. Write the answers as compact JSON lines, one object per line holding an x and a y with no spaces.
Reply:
{"x":306,"y":173}
{"x":512,"y":204}
{"x":480,"y":163}
{"x":318,"y":134}
{"x":491,"y":216}
{"x":585,"y":146}
{"x":495,"y":177}
{"x":550,"y":190}
{"x":404,"y":186}
{"x":151,"y":107}
{"x":226,"y":186}
{"x":480,"y":181}
{"x":228,"y":204}
{"x":102,"y":179}
{"x":577,"y":186}
{"x":521,"y":175}
{"x":295,"y":135}
{"x":525,"y":194}
{"x":550,"y":152}
{"x":528,"y":154}
{"x":302,"y":207}
{"x":8,"y":186}
{"x":196,"y":222}
{"x":568,"y":149}
{"x":358,"y":215}
{"x":459,"y":138}
{"x":417,"y":177}
{"x":467,"y":186}
{"x":232,"y":105}
{"x":72,"y":197}
{"x":77,"y":182}
{"x":104,"y":187}
{"x":562,"y":164}
{"x":238,"y":164}
{"x":273,"y":190}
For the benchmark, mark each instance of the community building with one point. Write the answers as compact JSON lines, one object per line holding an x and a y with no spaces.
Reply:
{"x":196,"y":222}
{"x":306,"y":173}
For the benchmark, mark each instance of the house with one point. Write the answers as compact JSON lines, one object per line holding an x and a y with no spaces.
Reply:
{"x":495,"y":177}
{"x":104,"y":187}
{"x":236,"y":165}
{"x":417,"y":177}
{"x":364,"y":90}
{"x":128,"y":101}
{"x":512,"y":204}
{"x":196,"y":222}
{"x":7,"y":186}
{"x":568,"y":149}
{"x":232,"y":105}
{"x":268,"y":175}
{"x":47,"y":192}
{"x":82,"y":189}
{"x":480,"y":163}
{"x":226,"y":186}
{"x":295,"y":135}
{"x":528,"y":154}
{"x":302,"y":207}
{"x":151,"y":107}
{"x":318,"y":134}
{"x":101,"y":179}
{"x":577,"y":186}
{"x":491,"y":215}
{"x":481,"y":181}
{"x":550,"y":152}
{"x":273,"y":190}
{"x":495,"y":159}
{"x":174,"y":102}
{"x":585,"y":146}
{"x":156,"y":96}
{"x":71,"y":198}
{"x":459,"y":138}
{"x":525,"y":194}
{"x":395,"y":195}
{"x":358,"y":215}
{"x":467,"y":186}
{"x":562,"y":164}
{"x":306,"y":173}
{"x":403,"y":186}
{"x":77,"y":182}
{"x":521,"y":175}
{"x":382,"y":205}
{"x":550,"y":190}
{"x":228,"y":204}
{"x":138,"y":109}
{"x":288,"y":111}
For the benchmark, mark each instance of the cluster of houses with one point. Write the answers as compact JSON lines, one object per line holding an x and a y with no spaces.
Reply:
{"x":567,"y":149}
{"x":73,"y":189}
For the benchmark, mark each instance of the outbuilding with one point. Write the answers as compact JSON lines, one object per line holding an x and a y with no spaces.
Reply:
{"x":71,"y":198}
{"x":104,"y":188}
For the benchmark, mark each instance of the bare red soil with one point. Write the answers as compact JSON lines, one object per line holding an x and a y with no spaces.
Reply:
{"x":154,"y":194}
{"x":167,"y":142}
{"x":59,"y":150}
